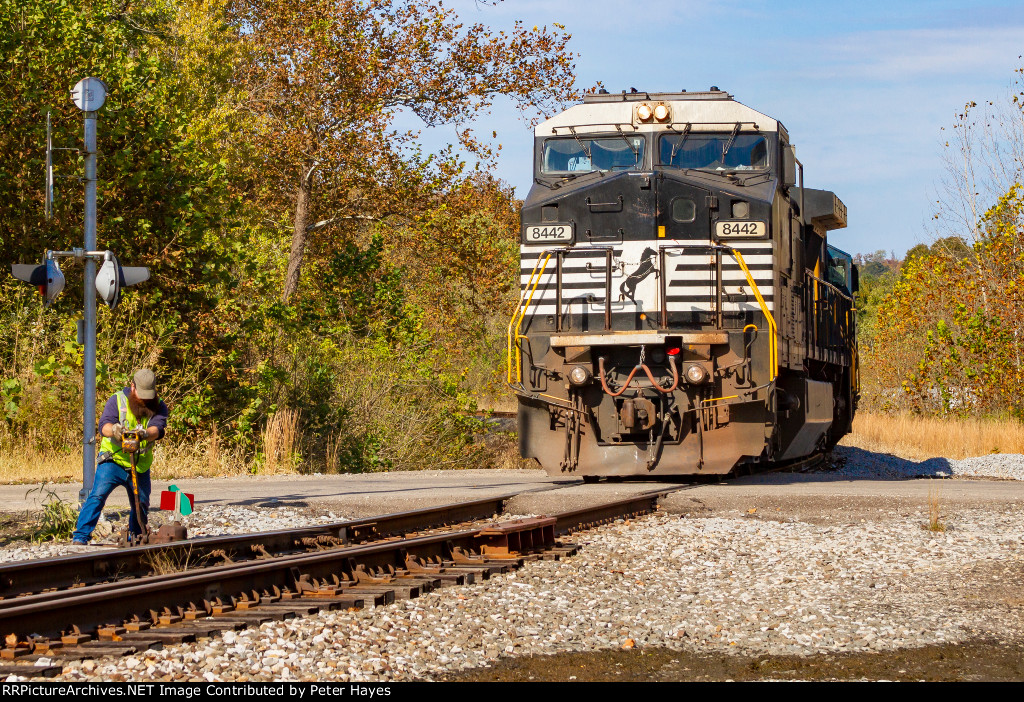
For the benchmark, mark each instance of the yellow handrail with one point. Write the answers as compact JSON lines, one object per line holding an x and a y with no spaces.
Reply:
{"x":773,"y":351}
{"x":516,"y":323}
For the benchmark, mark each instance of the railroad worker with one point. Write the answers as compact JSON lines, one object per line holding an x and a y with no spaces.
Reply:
{"x":135,"y":407}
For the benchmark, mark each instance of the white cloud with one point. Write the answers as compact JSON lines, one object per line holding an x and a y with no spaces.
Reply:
{"x":909,"y":55}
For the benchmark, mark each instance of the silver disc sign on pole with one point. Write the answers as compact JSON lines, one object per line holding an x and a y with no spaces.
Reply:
{"x":88,"y":95}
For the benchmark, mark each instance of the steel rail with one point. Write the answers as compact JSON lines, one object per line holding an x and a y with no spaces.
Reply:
{"x":48,"y":614}
{"x":574,"y":520}
{"x":21,"y":577}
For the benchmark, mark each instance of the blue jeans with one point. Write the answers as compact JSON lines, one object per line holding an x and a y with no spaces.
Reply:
{"x":108,"y":476}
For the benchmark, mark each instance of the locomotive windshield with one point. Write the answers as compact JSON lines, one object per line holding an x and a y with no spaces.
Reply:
{"x":839,"y":268}
{"x":585,"y":154}
{"x":715,"y":152}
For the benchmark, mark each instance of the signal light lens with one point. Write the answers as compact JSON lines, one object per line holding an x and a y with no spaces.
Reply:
{"x":46,"y":277}
{"x":661,"y":113}
{"x":673,"y":351}
{"x":112,"y":277}
{"x":644,"y":112}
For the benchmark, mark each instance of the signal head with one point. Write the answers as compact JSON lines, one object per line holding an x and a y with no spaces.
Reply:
{"x":112,"y":276}
{"x":47,"y":277}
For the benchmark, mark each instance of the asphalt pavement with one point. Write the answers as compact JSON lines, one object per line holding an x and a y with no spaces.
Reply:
{"x":778,"y":495}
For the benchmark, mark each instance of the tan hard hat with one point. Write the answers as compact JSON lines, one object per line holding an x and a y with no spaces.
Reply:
{"x":145,"y":384}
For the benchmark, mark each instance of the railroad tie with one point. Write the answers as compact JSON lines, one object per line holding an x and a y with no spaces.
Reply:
{"x":31,"y":671}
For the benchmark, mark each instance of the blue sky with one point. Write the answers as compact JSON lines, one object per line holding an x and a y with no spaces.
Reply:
{"x":864,"y":88}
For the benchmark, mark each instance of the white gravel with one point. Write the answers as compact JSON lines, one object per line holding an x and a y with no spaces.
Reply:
{"x":850,"y":462}
{"x":717,"y":584}
{"x":207,"y":520}
{"x":713,"y":585}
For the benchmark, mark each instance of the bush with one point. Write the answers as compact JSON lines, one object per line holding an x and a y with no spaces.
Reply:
{"x":57,"y":520}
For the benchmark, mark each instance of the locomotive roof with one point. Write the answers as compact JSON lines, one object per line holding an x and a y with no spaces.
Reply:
{"x":713,"y":110}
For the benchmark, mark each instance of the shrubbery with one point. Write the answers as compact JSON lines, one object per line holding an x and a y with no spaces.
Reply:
{"x":373,"y":360}
{"x":948,"y":338}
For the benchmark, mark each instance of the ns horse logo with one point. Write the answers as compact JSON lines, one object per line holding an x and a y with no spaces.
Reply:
{"x":646,"y":267}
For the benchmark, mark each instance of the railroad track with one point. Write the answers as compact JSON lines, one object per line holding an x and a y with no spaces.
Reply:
{"x":112,"y":612}
{"x":22,"y":578}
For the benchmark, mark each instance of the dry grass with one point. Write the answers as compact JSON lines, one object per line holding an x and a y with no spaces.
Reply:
{"x":907,"y":436}
{"x":213,"y":452}
{"x":501,"y":451}
{"x":280,"y":439}
{"x":332,"y":453}
{"x":918,"y":438}
{"x":165,"y":562}
{"x":934,"y":511}
{"x":23,"y":463}
{"x":207,"y":459}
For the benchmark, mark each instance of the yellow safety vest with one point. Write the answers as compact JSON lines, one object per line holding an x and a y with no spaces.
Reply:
{"x":109,"y":445}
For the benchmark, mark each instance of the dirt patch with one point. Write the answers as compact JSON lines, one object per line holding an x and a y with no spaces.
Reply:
{"x":17,"y":527}
{"x":976,"y":661}
{"x":991,"y":587}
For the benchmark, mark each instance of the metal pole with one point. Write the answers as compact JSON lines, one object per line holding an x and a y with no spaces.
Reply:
{"x":89,"y":321}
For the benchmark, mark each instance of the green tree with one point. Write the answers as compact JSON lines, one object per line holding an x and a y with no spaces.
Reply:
{"x":164,"y":198}
{"x":327,"y":80}
{"x":224,"y":116}
{"x":949,"y":333}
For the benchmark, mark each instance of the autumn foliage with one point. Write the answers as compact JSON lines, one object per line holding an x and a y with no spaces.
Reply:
{"x":311,"y":258}
{"x":324,"y":81}
{"x":948,"y":338}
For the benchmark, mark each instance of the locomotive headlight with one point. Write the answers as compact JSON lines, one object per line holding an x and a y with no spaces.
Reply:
{"x":644,"y":112}
{"x":661,"y":113}
{"x":695,"y":375}
{"x":579,"y":375}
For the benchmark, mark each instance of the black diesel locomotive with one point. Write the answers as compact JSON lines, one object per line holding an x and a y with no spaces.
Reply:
{"x":681,"y":310}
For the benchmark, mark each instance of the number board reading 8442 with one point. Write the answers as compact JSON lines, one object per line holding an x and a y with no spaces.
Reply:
{"x":550,"y":232}
{"x":740,"y":229}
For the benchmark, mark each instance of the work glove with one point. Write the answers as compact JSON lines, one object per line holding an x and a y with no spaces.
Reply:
{"x":117,"y":432}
